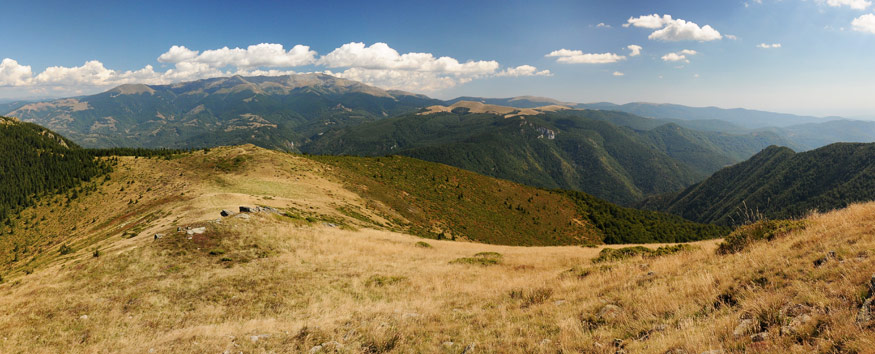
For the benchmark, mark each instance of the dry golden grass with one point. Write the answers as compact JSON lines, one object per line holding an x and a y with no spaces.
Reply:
{"x":276,"y":284}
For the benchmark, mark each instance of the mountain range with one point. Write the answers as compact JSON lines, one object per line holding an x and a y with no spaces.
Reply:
{"x":276,"y":112}
{"x":551,"y":147}
{"x":622,"y":153}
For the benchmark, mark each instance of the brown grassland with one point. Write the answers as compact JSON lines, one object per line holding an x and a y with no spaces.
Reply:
{"x":319,"y":280}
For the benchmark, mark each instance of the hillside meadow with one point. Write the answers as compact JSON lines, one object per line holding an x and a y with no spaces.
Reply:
{"x":92,"y":276}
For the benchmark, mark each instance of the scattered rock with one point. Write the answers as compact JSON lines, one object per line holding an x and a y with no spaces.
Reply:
{"x":868,"y":309}
{"x":796,"y":310}
{"x":796,"y":324}
{"x":618,"y":343}
{"x":83,"y":317}
{"x":316,"y":349}
{"x":196,"y":230}
{"x":760,"y":337}
{"x":157,"y":236}
{"x":409,"y":315}
{"x":546,"y":342}
{"x":179,"y":229}
{"x":268,"y":210}
{"x":558,"y":302}
{"x":823,"y":260}
{"x":258,"y":337}
{"x":245,"y":209}
{"x":242,"y":216}
{"x":332,"y":346}
{"x":609,"y":312}
{"x":448,"y":344}
{"x":676,"y":351}
{"x":713,"y":351}
{"x":469,"y":348}
{"x":226,"y":212}
{"x":745,"y":327}
{"x":330,"y":224}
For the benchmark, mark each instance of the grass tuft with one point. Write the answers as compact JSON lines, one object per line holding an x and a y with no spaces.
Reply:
{"x":481,"y":258}
{"x":617,"y":254}
{"x":767,"y":230}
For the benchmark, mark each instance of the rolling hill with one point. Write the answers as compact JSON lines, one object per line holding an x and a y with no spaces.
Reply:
{"x":616,"y":156}
{"x":778,"y":183}
{"x":144,"y":263}
{"x":275,"y":112}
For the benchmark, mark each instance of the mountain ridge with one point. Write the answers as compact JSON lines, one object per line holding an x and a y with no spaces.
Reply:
{"x":778,"y":183}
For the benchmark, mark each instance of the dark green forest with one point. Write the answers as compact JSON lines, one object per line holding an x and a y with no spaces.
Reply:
{"x":36,"y":161}
{"x":612,"y":155}
{"x":778,"y":183}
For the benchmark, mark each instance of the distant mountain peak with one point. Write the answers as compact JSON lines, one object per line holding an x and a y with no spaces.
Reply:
{"x":133,"y":89}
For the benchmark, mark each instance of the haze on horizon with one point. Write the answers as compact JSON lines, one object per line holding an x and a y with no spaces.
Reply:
{"x":806,"y":57}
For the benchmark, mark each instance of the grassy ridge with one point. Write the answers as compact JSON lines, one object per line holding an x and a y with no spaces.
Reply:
{"x":444,"y":201}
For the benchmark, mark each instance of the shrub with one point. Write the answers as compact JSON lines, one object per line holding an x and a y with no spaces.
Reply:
{"x":616,"y":254}
{"x":423,"y":244}
{"x":482,"y":258}
{"x":382,"y":280}
{"x":64,"y":250}
{"x":767,"y":230}
{"x":531,"y":297}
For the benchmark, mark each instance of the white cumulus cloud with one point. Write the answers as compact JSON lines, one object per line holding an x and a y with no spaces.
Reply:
{"x":865,"y":23}
{"x":634,"y":49}
{"x":524,"y":70}
{"x":648,"y":21}
{"x":14,"y":74}
{"x":258,"y":55}
{"x":579,"y":57}
{"x":617,"y":73}
{"x":670,"y":29}
{"x":769,"y":46}
{"x":377,"y":64}
{"x":381,"y":56}
{"x":854,"y":4}
{"x":679,"y":56}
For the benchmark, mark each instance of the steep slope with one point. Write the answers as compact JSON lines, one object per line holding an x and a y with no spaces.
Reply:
{"x":275,"y":112}
{"x":779,"y":183}
{"x":35,"y":161}
{"x":275,"y":284}
{"x":569,"y":149}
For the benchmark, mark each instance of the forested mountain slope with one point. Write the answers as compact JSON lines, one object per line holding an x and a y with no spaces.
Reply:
{"x":612,"y":155}
{"x":35,"y":161}
{"x":779,"y":183}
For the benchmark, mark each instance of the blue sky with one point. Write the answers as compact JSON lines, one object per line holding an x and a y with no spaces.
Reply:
{"x":818,"y":60}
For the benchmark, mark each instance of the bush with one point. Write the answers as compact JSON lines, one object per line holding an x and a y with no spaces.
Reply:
{"x":767,"y":230}
{"x":482,"y":258}
{"x":382,"y":280}
{"x":64,"y":250}
{"x":423,"y":244}
{"x":531,"y":297}
{"x":616,"y":254}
